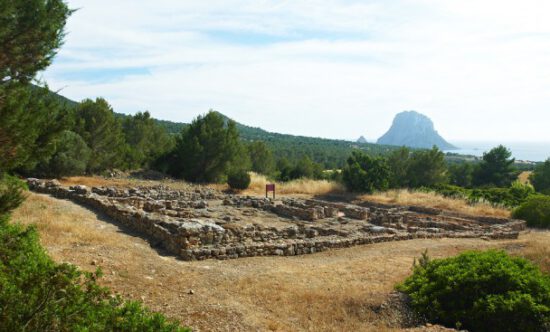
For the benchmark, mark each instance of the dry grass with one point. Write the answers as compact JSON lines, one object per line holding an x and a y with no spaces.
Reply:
{"x":59,"y":224}
{"x":337,"y":290}
{"x":523,"y":177}
{"x":409,"y":197}
{"x":537,"y":249}
{"x":295,"y":187}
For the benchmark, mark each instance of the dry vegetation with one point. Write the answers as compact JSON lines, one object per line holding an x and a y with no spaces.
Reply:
{"x":537,"y":249}
{"x":409,"y":197}
{"x":295,"y":187}
{"x":339,"y":290}
{"x":523,"y":177}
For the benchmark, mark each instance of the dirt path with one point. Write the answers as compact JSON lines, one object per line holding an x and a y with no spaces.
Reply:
{"x":337,"y":290}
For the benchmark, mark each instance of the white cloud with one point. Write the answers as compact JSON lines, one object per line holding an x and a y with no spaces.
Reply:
{"x":337,"y":69}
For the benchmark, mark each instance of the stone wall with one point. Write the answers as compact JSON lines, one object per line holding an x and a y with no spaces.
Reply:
{"x":185,"y":222}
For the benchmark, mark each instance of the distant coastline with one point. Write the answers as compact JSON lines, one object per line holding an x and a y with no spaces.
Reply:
{"x":525,"y":151}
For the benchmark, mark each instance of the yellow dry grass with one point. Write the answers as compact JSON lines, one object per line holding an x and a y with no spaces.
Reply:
{"x":523,"y":177}
{"x":295,"y":187}
{"x":433,"y":200}
{"x":538,"y":249}
{"x":337,"y":290}
{"x":59,"y":224}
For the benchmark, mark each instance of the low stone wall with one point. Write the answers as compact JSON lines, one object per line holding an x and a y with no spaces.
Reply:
{"x":180,"y":221}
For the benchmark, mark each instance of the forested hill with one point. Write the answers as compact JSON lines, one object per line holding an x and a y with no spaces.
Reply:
{"x":331,"y":153}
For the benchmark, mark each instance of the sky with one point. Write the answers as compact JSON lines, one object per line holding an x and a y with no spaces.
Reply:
{"x":480,"y":69}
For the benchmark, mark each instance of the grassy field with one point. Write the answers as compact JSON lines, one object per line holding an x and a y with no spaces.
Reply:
{"x":338,"y":290}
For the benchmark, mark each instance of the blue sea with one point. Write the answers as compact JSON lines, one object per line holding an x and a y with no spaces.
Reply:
{"x":527,"y":151}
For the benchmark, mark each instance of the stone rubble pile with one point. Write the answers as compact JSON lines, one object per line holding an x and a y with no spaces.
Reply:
{"x":188,"y":223}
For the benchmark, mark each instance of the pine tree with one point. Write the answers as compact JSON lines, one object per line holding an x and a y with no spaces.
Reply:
{"x":261,"y":158}
{"x":496,"y":168}
{"x":102,"y":132}
{"x":146,"y":140}
{"x":31,"y":32}
{"x":207,"y":149}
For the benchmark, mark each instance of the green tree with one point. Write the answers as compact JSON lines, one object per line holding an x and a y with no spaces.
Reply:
{"x":146,"y":140}
{"x":70,"y":158}
{"x":31,"y":32}
{"x":364,"y":173}
{"x":461,"y":174}
{"x":261,"y":158}
{"x":102,"y":132}
{"x":399,"y":162}
{"x":306,"y":168}
{"x":427,"y":168}
{"x":540,"y":178}
{"x":207,"y":149}
{"x":496,"y":168}
{"x":284,"y":169}
{"x":31,"y":120}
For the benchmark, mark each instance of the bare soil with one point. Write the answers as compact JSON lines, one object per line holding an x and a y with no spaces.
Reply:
{"x":338,"y":290}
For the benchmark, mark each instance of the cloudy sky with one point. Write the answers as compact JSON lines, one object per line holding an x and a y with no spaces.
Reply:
{"x":340,"y":69}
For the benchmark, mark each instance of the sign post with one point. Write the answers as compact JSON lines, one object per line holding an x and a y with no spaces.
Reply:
{"x":270,"y":187}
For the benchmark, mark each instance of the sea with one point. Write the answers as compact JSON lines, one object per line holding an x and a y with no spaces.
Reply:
{"x":522,"y":151}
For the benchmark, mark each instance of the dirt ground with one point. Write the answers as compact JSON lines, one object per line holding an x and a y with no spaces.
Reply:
{"x":338,"y":290}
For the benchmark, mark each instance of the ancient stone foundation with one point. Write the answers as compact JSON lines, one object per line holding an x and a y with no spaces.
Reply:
{"x":202,"y":223}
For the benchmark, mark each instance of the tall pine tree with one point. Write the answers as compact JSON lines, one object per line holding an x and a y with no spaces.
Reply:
{"x":102,"y":132}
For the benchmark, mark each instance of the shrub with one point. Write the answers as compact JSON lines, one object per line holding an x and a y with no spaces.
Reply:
{"x":481,"y":291}
{"x":536,"y":211}
{"x":511,"y":197}
{"x":365,"y":173}
{"x":239,"y":179}
{"x":37,"y":294}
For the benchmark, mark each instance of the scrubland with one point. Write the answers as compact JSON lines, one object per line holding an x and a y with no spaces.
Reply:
{"x":338,"y":290}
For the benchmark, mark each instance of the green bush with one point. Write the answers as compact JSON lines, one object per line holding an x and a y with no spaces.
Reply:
{"x":481,"y":291}
{"x":510,"y":197}
{"x":364,"y":173}
{"x":238,"y":179}
{"x":536,"y":211}
{"x":37,"y":294}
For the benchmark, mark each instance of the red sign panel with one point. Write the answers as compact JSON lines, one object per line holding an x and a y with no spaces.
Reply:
{"x":270,"y":187}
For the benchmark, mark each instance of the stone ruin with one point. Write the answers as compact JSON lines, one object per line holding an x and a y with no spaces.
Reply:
{"x":201,"y":223}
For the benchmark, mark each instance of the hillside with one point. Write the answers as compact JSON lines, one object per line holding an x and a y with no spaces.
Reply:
{"x":415,"y":130}
{"x":331,"y":153}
